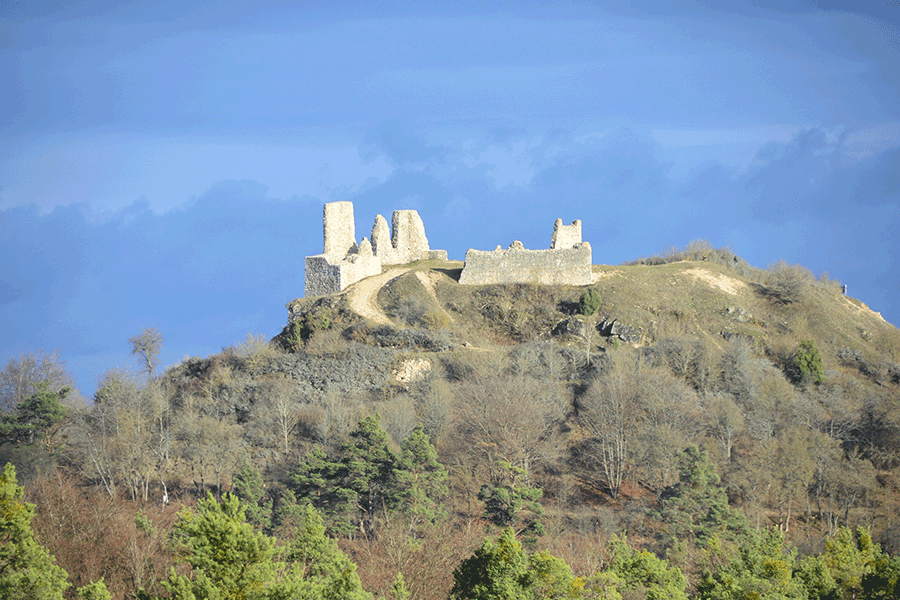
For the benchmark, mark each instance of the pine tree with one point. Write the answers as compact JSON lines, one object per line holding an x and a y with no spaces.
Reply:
{"x":229,"y":559}
{"x":27,"y":571}
{"x":249,"y":487}
{"x":422,"y":479}
{"x":696,"y":508}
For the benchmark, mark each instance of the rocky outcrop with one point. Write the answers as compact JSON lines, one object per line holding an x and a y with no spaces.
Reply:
{"x":615,"y":328}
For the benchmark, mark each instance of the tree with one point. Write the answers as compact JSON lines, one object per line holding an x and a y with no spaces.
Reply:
{"x":27,"y":571}
{"x":644,"y":574}
{"x":513,"y":502}
{"x":806,"y":364}
{"x":365,"y":478}
{"x":247,"y":484}
{"x":315,"y":559}
{"x":36,"y":418}
{"x":21,"y":376}
{"x":696,"y":507}
{"x":229,"y":559}
{"x":589,"y":302}
{"x":146,"y":346}
{"x":763,"y":567}
{"x":422,"y":478}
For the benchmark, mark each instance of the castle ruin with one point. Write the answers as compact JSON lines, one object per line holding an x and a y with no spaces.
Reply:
{"x":344,"y":262}
{"x":567,"y":262}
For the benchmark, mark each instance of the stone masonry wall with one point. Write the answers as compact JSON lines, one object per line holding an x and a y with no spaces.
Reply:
{"x":570,"y":266}
{"x":340,"y":229}
{"x":565,"y":236}
{"x":343,"y":262}
{"x":405,"y":242}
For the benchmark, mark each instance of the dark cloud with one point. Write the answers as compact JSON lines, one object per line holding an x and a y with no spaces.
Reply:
{"x":205,"y":275}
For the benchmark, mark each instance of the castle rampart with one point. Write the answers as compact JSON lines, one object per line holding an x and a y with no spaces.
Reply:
{"x":567,"y":262}
{"x":569,"y":266}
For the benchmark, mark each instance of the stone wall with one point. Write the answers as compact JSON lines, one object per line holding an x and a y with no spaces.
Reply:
{"x":340,"y":229}
{"x":405,"y":242}
{"x":569,"y":266}
{"x":565,"y":236}
{"x":344,"y":262}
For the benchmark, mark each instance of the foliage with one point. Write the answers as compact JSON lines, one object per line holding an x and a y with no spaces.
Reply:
{"x":763,"y":567}
{"x":502,"y":570}
{"x":27,"y":571}
{"x":589,"y":302}
{"x":230,"y":560}
{"x":513,"y":502}
{"x":316,"y":560}
{"x":422,"y":479}
{"x":307,"y":326}
{"x":248,"y":485}
{"x":36,"y":418}
{"x":366,"y":477}
{"x":21,"y":376}
{"x":643,"y":572}
{"x":786,"y":283}
{"x":696,"y":508}
{"x":806,"y":364}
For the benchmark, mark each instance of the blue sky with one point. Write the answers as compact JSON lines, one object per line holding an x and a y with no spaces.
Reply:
{"x":165,"y":164}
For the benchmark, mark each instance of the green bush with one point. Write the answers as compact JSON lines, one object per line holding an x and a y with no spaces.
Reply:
{"x":807,"y":363}
{"x":589,"y":303}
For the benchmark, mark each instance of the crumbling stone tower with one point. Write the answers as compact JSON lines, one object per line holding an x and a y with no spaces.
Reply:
{"x":344,"y":262}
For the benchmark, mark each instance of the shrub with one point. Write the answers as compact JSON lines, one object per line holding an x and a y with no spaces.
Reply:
{"x":785,"y":283}
{"x":589,"y":303}
{"x":807,"y":363}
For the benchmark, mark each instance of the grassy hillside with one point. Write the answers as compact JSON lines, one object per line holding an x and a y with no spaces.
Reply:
{"x":702,"y":299}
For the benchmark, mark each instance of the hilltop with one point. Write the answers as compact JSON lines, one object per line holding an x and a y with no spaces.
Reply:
{"x":680,"y":398}
{"x":642,"y":303}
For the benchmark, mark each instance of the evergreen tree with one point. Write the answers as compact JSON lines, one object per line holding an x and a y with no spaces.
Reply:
{"x":502,"y":570}
{"x":37,"y":418}
{"x":763,"y":567}
{"x":512,"y":502}
{"x":644,"y":574}
{"x":807,"y":364}
{"x":249,"y":487}
{"x":422,"y":479}
{"x":315,"y":560}
{"x":365,"y":477}
{"x":497,"y":571}
{"x":696,"y":508}
{"x":27,"y":571}
{"x":229,"y":559}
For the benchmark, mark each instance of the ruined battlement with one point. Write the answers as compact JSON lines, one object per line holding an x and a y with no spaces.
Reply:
{"x":565,"y":266}
{"x":344,"y":262}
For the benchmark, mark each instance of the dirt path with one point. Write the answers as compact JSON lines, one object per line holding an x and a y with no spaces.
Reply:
{"x":363,"y":295}
{"x":428,"y":280}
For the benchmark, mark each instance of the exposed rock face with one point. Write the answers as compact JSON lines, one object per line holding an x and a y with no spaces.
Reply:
{"x":615,"y":328}
{"x":565,"y":236}
{"x":570,"y":326}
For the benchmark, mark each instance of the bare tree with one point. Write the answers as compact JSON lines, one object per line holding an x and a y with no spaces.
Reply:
{"x":146,"y":346}
{"x":20,"y":377}
{"x":514,"y":419}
